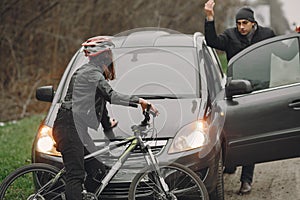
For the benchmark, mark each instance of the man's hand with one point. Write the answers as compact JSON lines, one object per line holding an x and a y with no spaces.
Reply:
{"x":209,"y":10}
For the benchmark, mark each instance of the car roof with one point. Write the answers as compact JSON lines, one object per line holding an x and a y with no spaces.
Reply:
{"x":156,"y":37}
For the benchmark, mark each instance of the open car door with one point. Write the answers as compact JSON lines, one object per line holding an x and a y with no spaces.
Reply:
{"x":265,"y":124}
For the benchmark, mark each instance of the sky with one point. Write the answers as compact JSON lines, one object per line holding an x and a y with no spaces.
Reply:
{"x":291,"y":11}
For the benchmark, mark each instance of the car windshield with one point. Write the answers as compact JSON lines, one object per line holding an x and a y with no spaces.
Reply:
{"x":152,"y":72}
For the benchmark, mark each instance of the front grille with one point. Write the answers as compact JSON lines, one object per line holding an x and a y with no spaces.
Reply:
{"x":118,"y":188}
{"x":115,"y":191}
{"x":120,"y":191}
{"x":136,"y":158}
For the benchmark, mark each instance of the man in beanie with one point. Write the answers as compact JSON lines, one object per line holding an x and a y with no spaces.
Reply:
{"x":232,"y":41}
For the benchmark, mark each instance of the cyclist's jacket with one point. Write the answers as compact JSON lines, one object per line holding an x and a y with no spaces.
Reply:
{"x":88,"y":93}
{"x":231,"y":41}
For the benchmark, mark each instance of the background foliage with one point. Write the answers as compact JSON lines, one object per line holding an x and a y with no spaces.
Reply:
{"x":38,"y":38}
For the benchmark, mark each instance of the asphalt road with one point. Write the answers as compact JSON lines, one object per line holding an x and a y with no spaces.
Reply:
{"x":278,"y":180}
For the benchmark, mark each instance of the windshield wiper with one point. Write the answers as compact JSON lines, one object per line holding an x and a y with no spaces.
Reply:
{"x":163,"y":96}
{"x":158,"y":96}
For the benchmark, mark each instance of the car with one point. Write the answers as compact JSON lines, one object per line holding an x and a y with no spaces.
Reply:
{"x":179,"y":74}
{"x":263,"y":124}
{"x":251,"y":114}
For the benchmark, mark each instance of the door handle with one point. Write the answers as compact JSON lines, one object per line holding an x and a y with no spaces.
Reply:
{"x":295,"y":105}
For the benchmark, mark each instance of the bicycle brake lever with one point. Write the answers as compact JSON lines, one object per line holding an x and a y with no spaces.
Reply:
{"x":146,"y":114}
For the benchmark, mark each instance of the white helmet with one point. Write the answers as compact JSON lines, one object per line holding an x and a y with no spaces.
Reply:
{"x":96,"y":45}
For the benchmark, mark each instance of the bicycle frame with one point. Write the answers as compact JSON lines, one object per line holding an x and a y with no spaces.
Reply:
{"x":157,"y":180}
{"x":133,"y":142}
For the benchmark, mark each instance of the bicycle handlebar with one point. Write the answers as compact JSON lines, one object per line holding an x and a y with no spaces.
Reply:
{"x":146,"y":114}
{"x":133,"y":105}
{"x":142,"y":127}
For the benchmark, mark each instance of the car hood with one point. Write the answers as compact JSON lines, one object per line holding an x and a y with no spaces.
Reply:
{"x":173,"y":115}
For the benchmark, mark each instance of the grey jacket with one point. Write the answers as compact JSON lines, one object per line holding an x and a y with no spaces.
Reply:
{"x":88,"y":93}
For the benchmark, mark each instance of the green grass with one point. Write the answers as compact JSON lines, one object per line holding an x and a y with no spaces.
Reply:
{"x":15,"y":143}
{"x":223,"y":60}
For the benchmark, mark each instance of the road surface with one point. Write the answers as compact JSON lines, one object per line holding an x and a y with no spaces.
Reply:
{"x":278,"y":180}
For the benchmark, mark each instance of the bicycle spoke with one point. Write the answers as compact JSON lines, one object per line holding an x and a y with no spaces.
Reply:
{"x":183,"y":184}
{"x":32,"y":183}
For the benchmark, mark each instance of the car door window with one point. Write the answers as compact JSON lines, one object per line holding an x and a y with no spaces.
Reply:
{"x":213,"y":74}
{"x":271,"y":65}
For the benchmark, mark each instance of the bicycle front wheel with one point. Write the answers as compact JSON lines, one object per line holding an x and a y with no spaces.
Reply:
{"x":182,"y":183}
{"x":33,"y":182}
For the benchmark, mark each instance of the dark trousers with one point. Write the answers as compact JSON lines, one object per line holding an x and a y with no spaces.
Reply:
{"x":73,"y":141}
{"x":247,"y":173}
{"x":72,"y":149}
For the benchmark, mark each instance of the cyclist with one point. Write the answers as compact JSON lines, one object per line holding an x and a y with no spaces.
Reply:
{"x":85,"y":106}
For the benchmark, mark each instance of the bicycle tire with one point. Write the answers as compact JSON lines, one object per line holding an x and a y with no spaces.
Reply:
{"x":22,"y":184}
{"x":183,"y":183}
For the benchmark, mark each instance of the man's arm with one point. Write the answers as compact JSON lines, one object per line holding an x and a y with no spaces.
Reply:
{"x":209,"y":10}
{"x":211,"y":37}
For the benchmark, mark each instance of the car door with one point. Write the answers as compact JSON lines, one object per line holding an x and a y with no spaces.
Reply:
{"x":265,"y":124}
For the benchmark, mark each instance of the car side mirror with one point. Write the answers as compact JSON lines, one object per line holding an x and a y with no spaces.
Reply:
{"x":237,"y":87}
{"x":45,"y":93}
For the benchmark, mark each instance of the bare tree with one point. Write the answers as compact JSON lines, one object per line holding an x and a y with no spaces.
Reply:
{"x":38,"y":38}
{"x":278,"y":20}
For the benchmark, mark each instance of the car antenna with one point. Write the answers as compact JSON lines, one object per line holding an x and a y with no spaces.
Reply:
{"x":159,"y":15}
{"x":159,"y":18}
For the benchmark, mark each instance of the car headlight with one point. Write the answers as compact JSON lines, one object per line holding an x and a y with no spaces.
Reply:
{"x":45,"y":142}
{"x":190,"y":137}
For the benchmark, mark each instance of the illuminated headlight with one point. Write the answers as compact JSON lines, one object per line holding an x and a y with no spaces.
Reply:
{"x":45,"y":142}
{"x":190,"y":137}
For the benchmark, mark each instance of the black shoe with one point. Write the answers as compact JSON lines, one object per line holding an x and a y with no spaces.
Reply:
{"x":245,"y":188}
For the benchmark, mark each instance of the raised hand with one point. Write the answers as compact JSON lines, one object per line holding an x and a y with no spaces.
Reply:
{"x":209,"y":9}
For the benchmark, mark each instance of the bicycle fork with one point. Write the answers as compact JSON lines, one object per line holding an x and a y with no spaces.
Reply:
{"x":152,"y":161}
{"x":115,"y":168}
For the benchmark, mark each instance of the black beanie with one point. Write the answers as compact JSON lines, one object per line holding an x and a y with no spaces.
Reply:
{"x":245,"y":13}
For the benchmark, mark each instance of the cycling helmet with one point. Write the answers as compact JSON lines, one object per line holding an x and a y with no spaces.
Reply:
{"x":96,"y":45}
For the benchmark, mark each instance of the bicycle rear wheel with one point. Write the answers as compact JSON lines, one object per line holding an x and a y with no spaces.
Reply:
{"x":183,"y":184}
{"x":31,"y":182}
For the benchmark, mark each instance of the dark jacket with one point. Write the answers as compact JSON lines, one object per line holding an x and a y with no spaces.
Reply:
{"x":231,"y":41}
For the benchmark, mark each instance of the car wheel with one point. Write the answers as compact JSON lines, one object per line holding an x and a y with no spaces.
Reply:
{"x":218,"y":192}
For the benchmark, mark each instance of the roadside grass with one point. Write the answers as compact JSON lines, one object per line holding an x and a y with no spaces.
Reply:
{"x":223,"y":60}
{"x":15,"y":143}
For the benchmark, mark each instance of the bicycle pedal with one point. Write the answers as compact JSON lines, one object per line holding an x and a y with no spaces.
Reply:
{"x":63,"y":196}
{"x":88,"y":196}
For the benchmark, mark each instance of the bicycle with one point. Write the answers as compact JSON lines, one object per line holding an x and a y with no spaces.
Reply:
{"x":157,"y":181}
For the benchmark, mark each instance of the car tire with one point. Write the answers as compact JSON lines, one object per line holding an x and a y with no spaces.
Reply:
{"x":218,"y":192}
